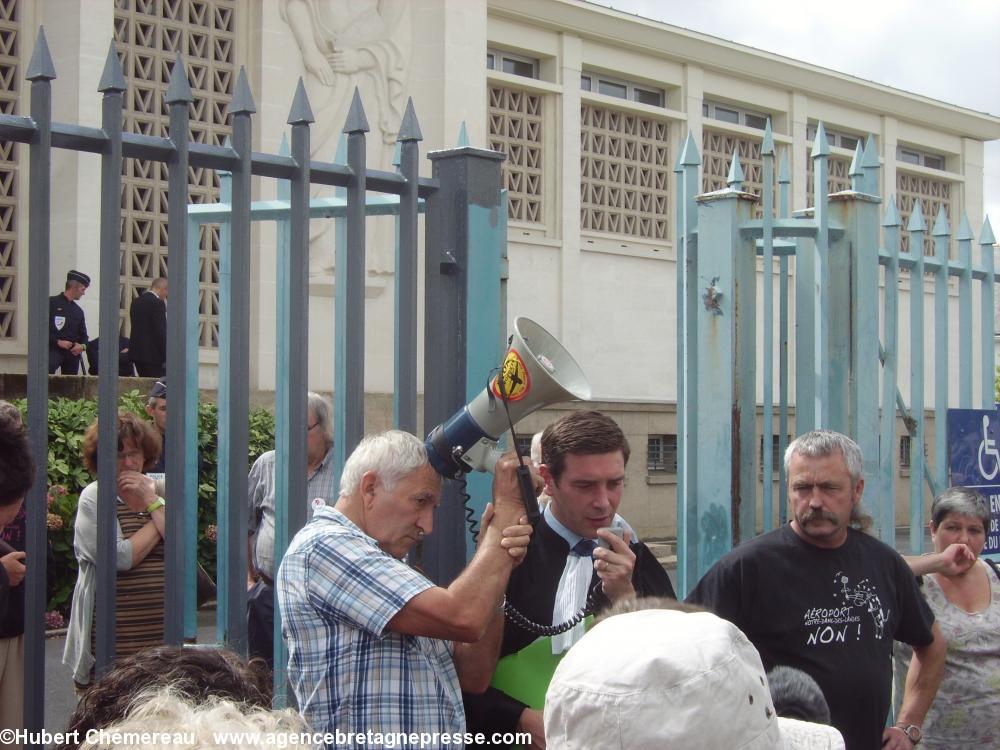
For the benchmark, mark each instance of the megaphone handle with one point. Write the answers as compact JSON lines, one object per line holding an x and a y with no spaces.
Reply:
{"x":528,"y":493}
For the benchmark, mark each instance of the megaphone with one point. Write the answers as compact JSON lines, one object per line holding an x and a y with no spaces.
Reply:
{"x":537,"y":371}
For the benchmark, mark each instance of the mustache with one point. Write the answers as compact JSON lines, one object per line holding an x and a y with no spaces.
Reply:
{"x":818,"y":515}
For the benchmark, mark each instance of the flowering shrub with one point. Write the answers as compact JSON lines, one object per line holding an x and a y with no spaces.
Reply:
{"x":67,"y":476}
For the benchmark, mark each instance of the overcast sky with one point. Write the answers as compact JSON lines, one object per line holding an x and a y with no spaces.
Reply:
{"x":946,"y":51}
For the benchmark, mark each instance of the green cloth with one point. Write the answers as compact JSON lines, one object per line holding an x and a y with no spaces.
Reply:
{"x":525,"y":675}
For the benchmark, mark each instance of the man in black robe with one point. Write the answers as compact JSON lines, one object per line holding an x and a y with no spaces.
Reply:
{"x":583,"y":465}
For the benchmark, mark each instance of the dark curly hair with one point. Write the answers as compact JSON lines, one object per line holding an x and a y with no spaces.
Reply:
{"x":195,"y":672}
{"x":17,"y":470}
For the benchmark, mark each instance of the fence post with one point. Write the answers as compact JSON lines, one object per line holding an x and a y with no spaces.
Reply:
{"x":861,"y":220}
{"x":238,"y":366}
{"x":467,"y":202}
{"x":942,"y":234}
{"x":885,"y":517}
{"x":687,"y":364}
{"x":404,"y":400}
{"x":112,"y":85}
{"x":916,"y":229}
{"x":964,"y":237}
{"x":988,"y":313}
{"x":726,"y":386}
{"x":40,"y":72}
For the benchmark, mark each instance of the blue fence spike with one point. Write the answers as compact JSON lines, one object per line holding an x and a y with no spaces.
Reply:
{"x":986,"y":236}
{"x":242,"y":102}
{"x":856,"y":170}
{"x":891,"y":214}
{"x":340,"y":157}
{"x":820,"y":145}
{"x":301,"y":111}
{"x":40,"y":67}
{"x":689,"y":154}
{"x":735,"y":178}
{"x":179,"y":90}
{"x":357,"y":122}
{"x":112,"y":78}
{"x":941,"y":227}
{"x":463,"y":136}
{"x":397,"y":154}
{"x":964,"y":229}
{"x":283,"y":148}
{"x":916,"y":223}
{"x":767,"y":146}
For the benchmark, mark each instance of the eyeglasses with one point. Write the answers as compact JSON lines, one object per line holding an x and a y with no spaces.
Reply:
{"x":312,"y":427}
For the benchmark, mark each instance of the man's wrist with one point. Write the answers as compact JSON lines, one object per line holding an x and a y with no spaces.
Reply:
{"x":912,"y":731}
{"x":156,"y":505}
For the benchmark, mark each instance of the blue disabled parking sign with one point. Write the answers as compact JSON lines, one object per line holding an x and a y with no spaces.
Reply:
{"x":974,"y":460}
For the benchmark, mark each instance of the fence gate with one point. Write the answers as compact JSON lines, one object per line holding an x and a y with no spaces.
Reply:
{"x":846,"y":281}
{"x":464,"y":243}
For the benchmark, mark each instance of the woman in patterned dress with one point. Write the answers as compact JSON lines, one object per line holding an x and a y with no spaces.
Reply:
{"x":964,"y":593}
{"x":139,"y":552}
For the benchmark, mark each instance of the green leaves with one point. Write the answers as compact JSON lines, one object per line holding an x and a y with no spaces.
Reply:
{"x":67,"y":476}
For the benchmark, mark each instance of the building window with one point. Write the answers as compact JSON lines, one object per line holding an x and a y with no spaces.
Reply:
{"x":920,"y":158}
{"x":836,"y":138}
{"x":735,"y":115}
{"x":717,"y":154}
{"x":933,"y":195}
{"x":625,"y":173}
{"x":621,"y":89}
{"x":904,"y":456}
{"x":12,"y":262}
{"x":661,"y":454}
{"x":508,"y":62}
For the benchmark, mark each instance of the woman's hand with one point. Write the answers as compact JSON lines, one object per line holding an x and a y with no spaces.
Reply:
{"x":137,"y":490}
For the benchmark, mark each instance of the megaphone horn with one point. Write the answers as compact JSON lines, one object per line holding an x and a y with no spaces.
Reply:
{"x":536,"y":371}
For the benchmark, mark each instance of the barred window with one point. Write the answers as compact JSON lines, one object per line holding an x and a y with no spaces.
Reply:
{"x":904,"y":455}
{"x":933,"y":195}
{"x":717,"y":155}
{"x":661,"y":454}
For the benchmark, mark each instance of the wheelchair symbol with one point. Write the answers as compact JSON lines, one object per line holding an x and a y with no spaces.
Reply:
{"x":988,"y":448}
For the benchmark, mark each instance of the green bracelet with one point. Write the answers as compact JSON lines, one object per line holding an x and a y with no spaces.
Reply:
{"x":156,"y":505}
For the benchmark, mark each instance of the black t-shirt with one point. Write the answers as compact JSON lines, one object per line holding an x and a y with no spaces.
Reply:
{"x":832,"y":613}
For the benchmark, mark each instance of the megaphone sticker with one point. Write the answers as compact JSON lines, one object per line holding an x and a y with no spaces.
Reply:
{"x":516,"y":380}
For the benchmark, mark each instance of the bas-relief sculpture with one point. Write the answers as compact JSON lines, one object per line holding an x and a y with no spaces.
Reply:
{"x":348,"y":43}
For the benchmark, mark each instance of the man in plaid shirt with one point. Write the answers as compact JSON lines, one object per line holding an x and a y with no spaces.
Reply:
{"x":373,"y":645}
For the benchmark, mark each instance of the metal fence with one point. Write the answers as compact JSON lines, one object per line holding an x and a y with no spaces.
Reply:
{"x":465,"y":232}
{"x":846,"y":364}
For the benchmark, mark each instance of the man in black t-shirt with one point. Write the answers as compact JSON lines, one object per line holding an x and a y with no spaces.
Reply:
{"x":822,"y":596}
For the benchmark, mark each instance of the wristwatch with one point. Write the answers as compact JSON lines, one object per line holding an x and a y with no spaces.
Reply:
{"x":913,"y":733}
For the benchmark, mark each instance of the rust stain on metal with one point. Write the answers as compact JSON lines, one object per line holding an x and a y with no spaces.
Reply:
{"x":734,"y":478}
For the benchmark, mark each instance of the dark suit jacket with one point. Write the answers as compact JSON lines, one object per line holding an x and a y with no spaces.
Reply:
{"x":148,"y":342}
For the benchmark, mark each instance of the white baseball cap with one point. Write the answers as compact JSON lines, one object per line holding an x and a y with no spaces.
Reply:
{"x":668,"y":679}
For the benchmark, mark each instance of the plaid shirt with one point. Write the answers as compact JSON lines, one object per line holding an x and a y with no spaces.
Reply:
{"x":337,"y":591}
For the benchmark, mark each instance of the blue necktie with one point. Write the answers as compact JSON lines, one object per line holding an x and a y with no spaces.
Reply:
{"x":584,"y":548}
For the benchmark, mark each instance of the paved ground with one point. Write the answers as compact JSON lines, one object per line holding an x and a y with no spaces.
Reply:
{"x":60,"y":696}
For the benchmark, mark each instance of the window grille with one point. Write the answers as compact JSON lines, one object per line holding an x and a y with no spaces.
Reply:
{"x":10,"y":78}
{"x":661,"y":454}
{"x":625,"y":173}
{"x":717,"y":154}
{"x":515,"y":122}
{"x":932,"y":194}
{"x":148,"y":35}
{"x":904,"y":455}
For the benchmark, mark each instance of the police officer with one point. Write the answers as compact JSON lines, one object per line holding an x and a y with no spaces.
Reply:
{"x":67,"y":327}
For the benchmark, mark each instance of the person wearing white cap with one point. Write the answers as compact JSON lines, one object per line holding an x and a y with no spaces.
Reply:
{"x":670,"y":679}
{"x":67,"y":325}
